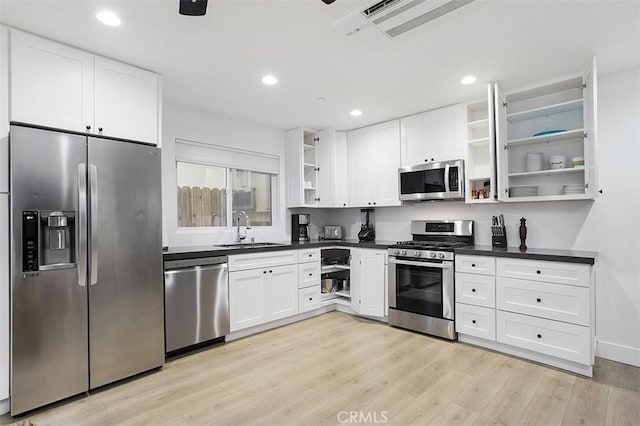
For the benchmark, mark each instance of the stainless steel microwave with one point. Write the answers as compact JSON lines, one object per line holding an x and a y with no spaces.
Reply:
{"x":432,"y":181}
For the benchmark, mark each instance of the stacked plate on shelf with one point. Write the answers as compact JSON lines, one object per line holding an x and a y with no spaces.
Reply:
{"x":523,"y":191}
{"x":574,"y":188}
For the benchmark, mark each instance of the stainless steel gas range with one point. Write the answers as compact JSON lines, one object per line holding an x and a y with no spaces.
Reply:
{"x":421,"y":276}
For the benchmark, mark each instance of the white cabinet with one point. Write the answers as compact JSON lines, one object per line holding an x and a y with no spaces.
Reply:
{"x":480,"y":167}
{"x":314,"y":161}
{"x":263,"y":287}
{"x":59,"y":86}
{"x":4,"y":109}
{"x":309,"y":299}
{"x":368,"y":281}
{"x":126,"y":101}
{"x":544,"y":310}
{"x":308,"y":255}
{"x":373,"y":155}
{"x":557,"y":118}
{"x":309,"y":274}
{"x":4,"y":296}
{"x":436,"y":135}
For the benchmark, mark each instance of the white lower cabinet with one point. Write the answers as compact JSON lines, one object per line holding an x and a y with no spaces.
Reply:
{"x":309,"y":274}
{"x":260,"y":295}
{"x":476,"y":321}
{"x":548,"y":317}
{"x":559,"y":339}
{"x":368,"y":281}
{"x":309,"y":299}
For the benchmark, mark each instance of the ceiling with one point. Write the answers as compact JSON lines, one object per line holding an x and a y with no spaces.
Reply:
{"x":216,"y":62}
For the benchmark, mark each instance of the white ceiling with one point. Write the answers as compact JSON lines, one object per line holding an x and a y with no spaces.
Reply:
{"x":216,"y":62}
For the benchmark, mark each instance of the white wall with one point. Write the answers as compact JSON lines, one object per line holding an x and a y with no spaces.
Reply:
{"x":609,"y":225}
{"x":187,"y":123}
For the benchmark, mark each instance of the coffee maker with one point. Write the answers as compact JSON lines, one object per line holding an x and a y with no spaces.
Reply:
{"x":300,"y":227}
{"x":367,"y":233}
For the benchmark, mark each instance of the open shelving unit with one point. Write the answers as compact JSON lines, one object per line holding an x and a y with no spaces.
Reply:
{"x":480,"y":173}
{"x":336,"y":267}
{"x":564,"y":108}
{"x":310,"y":167}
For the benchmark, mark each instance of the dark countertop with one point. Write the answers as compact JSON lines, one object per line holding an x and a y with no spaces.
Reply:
{"x":553,"y":255}
{"x":195,"y":252}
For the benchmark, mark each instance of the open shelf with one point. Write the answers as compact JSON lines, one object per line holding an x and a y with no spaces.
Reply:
{"x":479,"y":141}
{"x":334,"y":268}
{"x":310,"y":189}
{"x":573,"y":105}
{"x":478,"y":124}
{"x":309,"y":165}
{"x":343,"y":294}
{"x":307,"y":146}
{"x":569,"y":134}
{"x":552,"y":198}
{"x":549,"y":172}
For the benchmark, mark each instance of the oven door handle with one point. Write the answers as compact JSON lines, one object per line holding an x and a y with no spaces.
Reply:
{"x":448,"y":265}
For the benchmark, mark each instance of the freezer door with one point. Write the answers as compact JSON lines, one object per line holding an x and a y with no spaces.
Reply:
{"x":49,"y":358}
{"x":126,"y":316}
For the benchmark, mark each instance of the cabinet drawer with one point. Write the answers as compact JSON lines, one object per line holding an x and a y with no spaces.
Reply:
{"x":308,"y":255}
{"x":559,"y":339}
{"x":266,"y":259}
{"x":476,"y":321}
{"x":308,"y":274}
{"x":484,"y":265}
{"x":553,"y":301}
{"x":478,"y":290}
{"x":553,"y":272}
{"x":309,"y":299}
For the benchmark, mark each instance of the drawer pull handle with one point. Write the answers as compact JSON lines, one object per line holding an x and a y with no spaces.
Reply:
{"x":271,"y":272}
{"x":473,"y":290}
{"x":539,"y":336}
{"x":538,"y":272}
{"x":473,"y":265}
{"x":473,"y":321}
{"x":264,"y":272}
{"x":538,"y":300}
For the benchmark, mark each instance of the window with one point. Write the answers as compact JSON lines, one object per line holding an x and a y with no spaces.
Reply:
{"x":214,"y":187}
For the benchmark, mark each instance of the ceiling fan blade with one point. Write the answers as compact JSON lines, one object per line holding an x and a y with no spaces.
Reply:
{"x":193,"y":7}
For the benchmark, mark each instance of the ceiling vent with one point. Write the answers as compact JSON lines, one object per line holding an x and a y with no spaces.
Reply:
{"x":395,"y":17}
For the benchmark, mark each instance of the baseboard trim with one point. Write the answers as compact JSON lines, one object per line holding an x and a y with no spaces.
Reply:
{"x":618,"y":353}
{"x":5,"y":406}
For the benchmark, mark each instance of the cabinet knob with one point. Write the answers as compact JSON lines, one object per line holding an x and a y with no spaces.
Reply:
{"x":473,"y":265}
{"x":264,"y":272}
{"x":100,"y":129}
{"x":310,"y":299}
{"x":473,"y":290}
{"x":270,"y":271}
{"x":369,"y":203}
{"x":538,"y":272}
{"x":88,"y":127}
{"x":426,"y":160}
{"x":374,"y":203}
{"x":539,"y":336}
{"x":432,"y":159}
{"x":538,"y":300}
{"x":310,"y":274}
{"x":473,"y":321}
{"x":344,"y":204}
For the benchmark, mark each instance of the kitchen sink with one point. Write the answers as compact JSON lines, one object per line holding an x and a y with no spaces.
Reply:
{"x":250,"y":245}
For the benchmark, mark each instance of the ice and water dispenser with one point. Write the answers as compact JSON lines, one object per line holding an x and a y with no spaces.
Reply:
{"x":48,"y":240}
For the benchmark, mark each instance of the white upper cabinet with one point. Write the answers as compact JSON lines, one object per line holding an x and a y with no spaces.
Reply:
{"x":433,"y":136}
{"x":126,"y":101}
{"x":546,"y":138}
{"x":59,"y":86}
{"x":481,"y":180}
{"x":373,"y":155}
{"x":51,"y":83}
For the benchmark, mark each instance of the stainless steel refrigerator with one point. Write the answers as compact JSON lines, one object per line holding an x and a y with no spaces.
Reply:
{"x":86,"y":263}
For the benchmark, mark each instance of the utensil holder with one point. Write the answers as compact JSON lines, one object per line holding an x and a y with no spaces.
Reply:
{"x":499,"y":237}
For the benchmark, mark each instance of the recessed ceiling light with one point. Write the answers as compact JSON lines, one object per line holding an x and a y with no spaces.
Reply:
{"x":470,"y":79}
{"x":269,"y":80}
{"x":108,"y":18}
{"x":355,"y":113}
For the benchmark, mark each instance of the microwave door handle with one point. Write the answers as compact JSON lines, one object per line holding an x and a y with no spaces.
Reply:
{"x":446,"y":179}
{"x":427,"y":264}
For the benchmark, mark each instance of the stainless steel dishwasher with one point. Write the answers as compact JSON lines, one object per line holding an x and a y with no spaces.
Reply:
{"x":196,"y":301}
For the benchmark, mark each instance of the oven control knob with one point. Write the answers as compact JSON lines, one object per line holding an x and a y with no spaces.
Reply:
{"x":396,"y":251}
{"x":441,"y":255}
{"x":432,"y":255}
{"x":404,"y":252}
{"x":416,"y":253}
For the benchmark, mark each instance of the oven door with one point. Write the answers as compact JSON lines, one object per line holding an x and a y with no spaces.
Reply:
{"x":421,"y":287}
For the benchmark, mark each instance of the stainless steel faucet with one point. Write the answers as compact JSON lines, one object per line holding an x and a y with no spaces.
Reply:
{"x":240,"y":237}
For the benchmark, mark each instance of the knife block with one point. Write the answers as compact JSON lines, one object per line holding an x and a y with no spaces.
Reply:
{"x":499,"y":237}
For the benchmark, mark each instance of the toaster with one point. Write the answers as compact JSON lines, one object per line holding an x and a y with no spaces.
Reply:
{"x":333,"y":232}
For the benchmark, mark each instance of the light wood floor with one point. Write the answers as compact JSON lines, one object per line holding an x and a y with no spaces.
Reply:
{"x":317,"y":371}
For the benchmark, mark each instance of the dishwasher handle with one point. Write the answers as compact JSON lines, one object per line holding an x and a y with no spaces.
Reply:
{"x":195,"y":269}
{"x":203,"y":262}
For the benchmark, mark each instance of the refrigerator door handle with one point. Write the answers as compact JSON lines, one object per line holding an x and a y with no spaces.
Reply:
{"x":93,"y":194}
{"x":81,"y":249}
